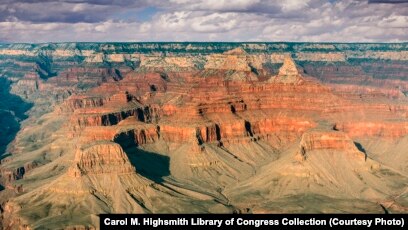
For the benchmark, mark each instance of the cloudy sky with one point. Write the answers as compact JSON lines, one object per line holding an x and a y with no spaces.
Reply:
{"x":204,"y":20}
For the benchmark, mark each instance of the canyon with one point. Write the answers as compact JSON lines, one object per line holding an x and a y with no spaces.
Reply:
{"x":93,"y":128}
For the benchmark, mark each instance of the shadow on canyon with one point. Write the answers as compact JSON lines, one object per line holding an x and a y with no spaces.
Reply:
{"x":12,"y":111}
{"x":4,"y":156}
{"x":151,"y":165}
{"x":361,"y":149}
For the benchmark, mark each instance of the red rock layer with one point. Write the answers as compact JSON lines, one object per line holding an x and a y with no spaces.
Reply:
{"x":328,"y":140}
{"x":210,"y":107}
{"x":385,"y":129}
{"x":100,"y":158}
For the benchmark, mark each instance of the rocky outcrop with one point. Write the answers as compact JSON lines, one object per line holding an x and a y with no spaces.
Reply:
{"x":323,"y":140}
{"x":288,"y":73}
{"x":9,"y":219}
{"x":8,"y":176}
{"x":234,"y":60}
{"x":152,"y":63}
{"x":101,"y":157}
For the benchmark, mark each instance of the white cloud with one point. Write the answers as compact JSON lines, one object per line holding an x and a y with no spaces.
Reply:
{"x":173,"y":21}
{"x":397,"y":21}
{"x":292,"y":5}
{"x":216,"y":5}
{"x":222,"y":20}
{"x":217,"y":22}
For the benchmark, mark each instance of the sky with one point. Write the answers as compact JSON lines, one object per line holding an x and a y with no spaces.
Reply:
{"x":36,"y":21}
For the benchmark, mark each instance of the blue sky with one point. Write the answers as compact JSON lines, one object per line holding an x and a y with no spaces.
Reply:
{"x":204,"y":20}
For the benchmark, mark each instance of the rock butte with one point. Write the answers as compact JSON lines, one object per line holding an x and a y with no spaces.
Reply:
{"x":288,"y":73}
{"x":258,"y":128}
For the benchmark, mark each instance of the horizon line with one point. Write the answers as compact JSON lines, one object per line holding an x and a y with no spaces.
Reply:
{"x":198,"y":42}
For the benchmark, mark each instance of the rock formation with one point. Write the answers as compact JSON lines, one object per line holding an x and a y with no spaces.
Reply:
{"x":334,"y":141}
{"x":288,"y":72}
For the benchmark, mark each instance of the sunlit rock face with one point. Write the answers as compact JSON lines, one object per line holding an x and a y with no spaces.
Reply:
{"x":288,"y":73}
{"x":200,"y":128}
